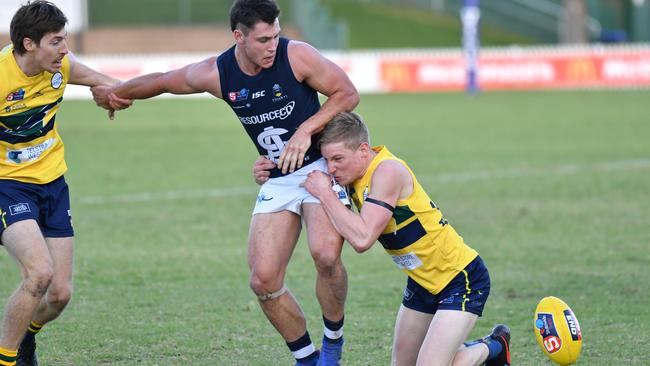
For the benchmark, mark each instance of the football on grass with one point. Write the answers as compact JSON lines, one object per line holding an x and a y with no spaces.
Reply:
{"x":557,"y":331}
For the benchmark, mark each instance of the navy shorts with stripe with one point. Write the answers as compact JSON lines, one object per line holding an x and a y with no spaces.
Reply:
{"x":468,"y":291}
{"x":48,"y":204}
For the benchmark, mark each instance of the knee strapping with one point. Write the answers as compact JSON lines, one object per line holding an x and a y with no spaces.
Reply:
{"x":273,"y":295}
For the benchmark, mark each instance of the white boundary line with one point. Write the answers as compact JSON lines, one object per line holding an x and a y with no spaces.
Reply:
{"x":566,"y":169}
{"x":168,"y":196}
{"x":469,"y":176}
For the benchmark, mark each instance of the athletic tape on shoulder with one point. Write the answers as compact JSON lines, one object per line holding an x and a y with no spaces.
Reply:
{"x":273,"y":295}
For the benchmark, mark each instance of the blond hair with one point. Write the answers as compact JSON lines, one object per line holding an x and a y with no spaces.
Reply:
{"x":346,"y":127}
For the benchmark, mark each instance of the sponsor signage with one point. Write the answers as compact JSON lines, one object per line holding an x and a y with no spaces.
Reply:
{"x":394,"y":71}
{"x":552,"y":69}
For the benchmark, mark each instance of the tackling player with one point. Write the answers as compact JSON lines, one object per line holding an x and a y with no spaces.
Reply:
{"x":447,"y":285}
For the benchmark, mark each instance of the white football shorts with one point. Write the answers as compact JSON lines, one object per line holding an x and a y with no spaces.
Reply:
{"x":285,"y":193}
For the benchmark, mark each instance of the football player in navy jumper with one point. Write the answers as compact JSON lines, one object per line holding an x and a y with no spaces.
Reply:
{"x":272,"y":85}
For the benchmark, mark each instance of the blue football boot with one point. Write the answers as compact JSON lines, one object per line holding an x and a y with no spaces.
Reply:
{"x":501,"y":334}
{"x":330,"y":354}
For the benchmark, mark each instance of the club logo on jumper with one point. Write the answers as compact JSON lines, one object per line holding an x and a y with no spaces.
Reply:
{"x":30,"y":153}
{"x":57,"y":80}
{"x":17,"y":95}
{"x":271,"y":140}
{"x":277,"y":90}
{"x":263,"y":197}
{"x":278,"y":94}
{"x":547,"y":330}
{"x":281,"y":113}
{"x":18,"y":209}
{"x":238,"y":96}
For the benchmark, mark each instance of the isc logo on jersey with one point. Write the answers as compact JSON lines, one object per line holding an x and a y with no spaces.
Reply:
{"x":557,"y":331}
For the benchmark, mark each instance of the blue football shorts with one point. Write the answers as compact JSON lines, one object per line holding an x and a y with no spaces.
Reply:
{"x":48,"y":204}
{"x":468,"y":291}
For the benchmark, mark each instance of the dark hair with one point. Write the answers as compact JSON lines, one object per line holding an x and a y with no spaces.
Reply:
{"x":34,"y":20}
{"x":244,"y":14}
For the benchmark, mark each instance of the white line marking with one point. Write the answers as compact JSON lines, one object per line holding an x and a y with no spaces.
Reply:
{"x":469,"y":176}
{"x":536,"y":172}
{"x":168,"y":196}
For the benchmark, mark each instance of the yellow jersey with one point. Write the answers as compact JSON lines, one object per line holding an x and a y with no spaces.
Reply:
{"x":418,"y":238}
{"x":31,"y":149}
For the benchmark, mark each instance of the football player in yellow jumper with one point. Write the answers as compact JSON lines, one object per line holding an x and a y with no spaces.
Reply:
{"x":448,"y":283}
{"x":35,"y":221}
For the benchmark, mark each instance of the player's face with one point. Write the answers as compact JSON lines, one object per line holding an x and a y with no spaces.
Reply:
{"x":344,"y":164}
{"x":49,"y":53}
{"x":261,"y":43}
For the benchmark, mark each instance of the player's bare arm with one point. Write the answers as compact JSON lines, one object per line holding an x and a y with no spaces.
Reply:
{"x":312,"y":68}
{"x":391,"y":181}
{"x":195,"y":78}
{"x":81,"y":74}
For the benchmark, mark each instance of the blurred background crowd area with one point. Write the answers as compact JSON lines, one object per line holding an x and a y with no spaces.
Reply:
{"x":164,"y":26}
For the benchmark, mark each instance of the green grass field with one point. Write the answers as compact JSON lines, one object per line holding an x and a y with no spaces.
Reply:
{"x":377,"y":25}
{"x":552,"y":188}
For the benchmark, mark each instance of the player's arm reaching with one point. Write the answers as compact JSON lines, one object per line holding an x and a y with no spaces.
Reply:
{"x":324,"y":76}
{"x":390,"y":182}
{"x":81,"y":74}
{"x":198,"y":77}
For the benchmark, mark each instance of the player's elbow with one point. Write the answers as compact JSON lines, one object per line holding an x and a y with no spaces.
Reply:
{"x":362,"y":245}
{"x":351,"y":98}
{"x":346,"y":96}
{"x":361,"y":249}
